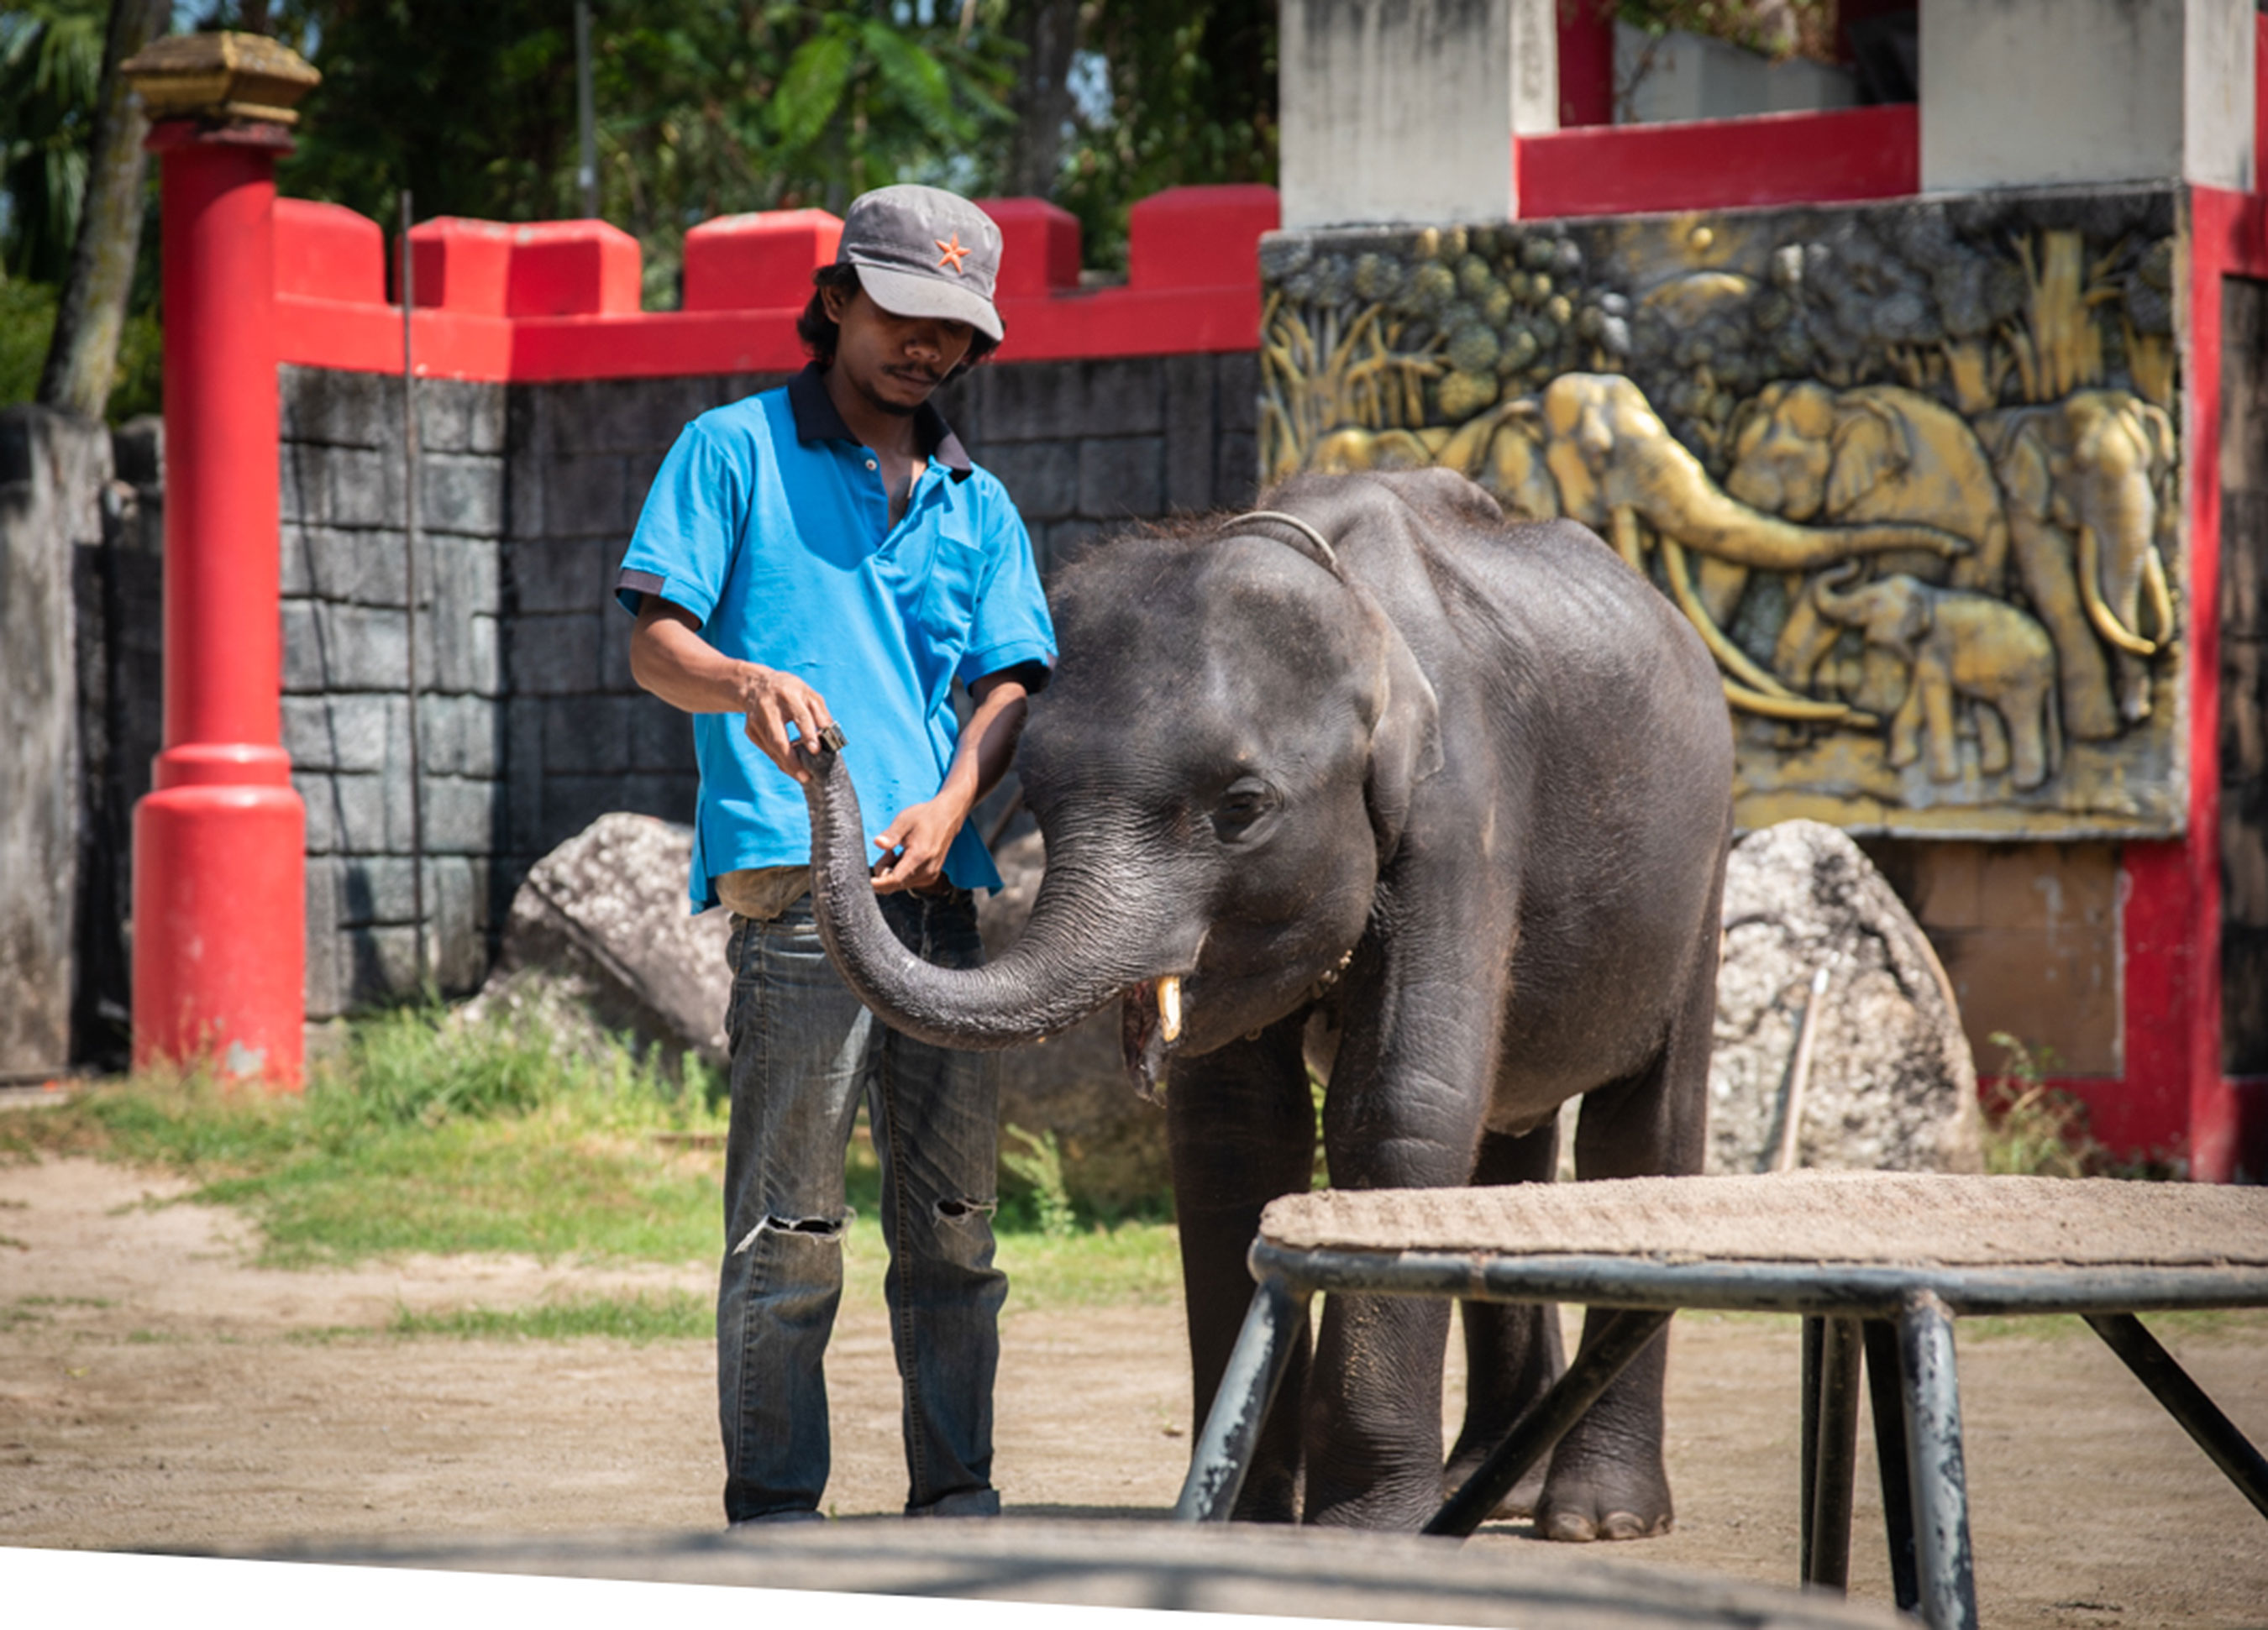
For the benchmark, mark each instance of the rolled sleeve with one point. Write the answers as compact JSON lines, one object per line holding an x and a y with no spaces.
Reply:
{"x":683,"y":545}
{"x":1011,"y":627}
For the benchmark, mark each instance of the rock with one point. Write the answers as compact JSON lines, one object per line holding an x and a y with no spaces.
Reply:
{"x":600,"y":925}
{"x":54,"y":471}
{"x":1892,"y":1086}
{"x":1075,"y":1085}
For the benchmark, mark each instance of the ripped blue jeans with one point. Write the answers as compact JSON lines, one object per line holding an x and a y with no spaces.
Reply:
{"x":805,"y":1052}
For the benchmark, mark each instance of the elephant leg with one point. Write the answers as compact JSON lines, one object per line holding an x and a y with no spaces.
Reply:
{"x":1804,"y":638}
{"x":1607,"y":1479}
{"x":1937,"y":708}
{"x":1403,"y":1112}
{"x":2028,"y":723}
{"x":2043,"y":563}
{"x":1991,"y":738}
{"x":1905,"y":726}
{"x":2134,"y":682}
{"x":1720,"y":583}
{"x":1240,"y":1124}
{"x":1513,"y":1350}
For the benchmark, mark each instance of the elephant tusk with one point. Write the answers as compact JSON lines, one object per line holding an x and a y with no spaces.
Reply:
{"x":2162,"y":599}
{"x":1624,"y":526}
{"x":1169,"y":1008}
{"x":2090,"y":589}
{"x":1728,"y":655}
{"x":1797,"y":708}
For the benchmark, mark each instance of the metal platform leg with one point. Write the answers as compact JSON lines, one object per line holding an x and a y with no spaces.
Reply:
{"x":1223,"y":1451}
{"x":1620,"y":1340}
{"x":1807,"y":1439}
{"x":2186,"y":1402}
{"x":1886,"y":1399}
{"x":1934,"y":1461}
{"x":1827,"y":1546}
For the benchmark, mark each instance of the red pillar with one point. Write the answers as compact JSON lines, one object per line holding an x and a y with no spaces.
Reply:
{"x":219,"y":844}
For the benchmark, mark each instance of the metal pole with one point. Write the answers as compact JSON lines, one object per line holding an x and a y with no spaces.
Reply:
{"x":1888,"y":1404}
{"x":1934,"y":1462}
{"x":2186,"y":1401}
{"x":1225,"y":1449}
{"x":409,"y":591}
{"x":1827,"y":1554}
{"x":1535,"y":1434}
{"x":586,"y":116}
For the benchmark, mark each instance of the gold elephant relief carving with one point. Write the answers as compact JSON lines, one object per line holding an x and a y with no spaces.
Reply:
{"x":2090,"y":490}
{"x":1960,"y":646}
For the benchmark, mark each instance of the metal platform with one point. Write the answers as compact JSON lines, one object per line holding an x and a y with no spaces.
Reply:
{"x":1878,"y":1264}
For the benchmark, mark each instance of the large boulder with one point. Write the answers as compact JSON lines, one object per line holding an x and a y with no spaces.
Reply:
{"x":1076,"y":1086}
{"x":1891,"y":1085}
{"x":599,"y":929}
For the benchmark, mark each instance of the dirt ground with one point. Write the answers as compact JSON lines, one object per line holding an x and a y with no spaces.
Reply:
{"x":156,"y":1391}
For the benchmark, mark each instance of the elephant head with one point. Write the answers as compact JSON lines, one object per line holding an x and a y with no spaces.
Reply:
{"x":1893,"y":612}
{"x":1879,"y":452}
{"x":1219,"y":769}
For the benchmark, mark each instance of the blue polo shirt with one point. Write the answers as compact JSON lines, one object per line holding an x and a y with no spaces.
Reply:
{"x":769,"y":521}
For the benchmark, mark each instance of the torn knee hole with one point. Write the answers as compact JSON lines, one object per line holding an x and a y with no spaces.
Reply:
{"x":961,"y":1210}
{"x":810,"y":1228}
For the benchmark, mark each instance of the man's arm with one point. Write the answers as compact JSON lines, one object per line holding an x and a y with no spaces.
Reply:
{"x":669,"y":659}
{"x":921,"y":835}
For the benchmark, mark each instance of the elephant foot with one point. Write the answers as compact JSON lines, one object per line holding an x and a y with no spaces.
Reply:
{"x":1526,"y":1495}
{"x":1612,"y":1502}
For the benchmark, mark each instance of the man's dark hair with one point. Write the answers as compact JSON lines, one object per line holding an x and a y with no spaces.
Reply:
{"x":818,"y":331}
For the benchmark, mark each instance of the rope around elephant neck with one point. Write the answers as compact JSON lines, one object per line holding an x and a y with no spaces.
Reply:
{"x":1331,"y":559}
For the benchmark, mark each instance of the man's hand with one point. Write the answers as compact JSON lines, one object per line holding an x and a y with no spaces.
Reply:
{"x":913,"y":845}
{"x":773,"y":701}
{"x":669,"y":657}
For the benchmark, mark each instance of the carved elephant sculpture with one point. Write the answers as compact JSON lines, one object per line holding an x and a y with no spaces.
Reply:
{"x":2089,"y":488}
{"x":1959,"y":644}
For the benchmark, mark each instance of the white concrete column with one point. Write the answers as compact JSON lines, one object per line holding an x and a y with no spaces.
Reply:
{"x":1404,"y":110}
{"x":2054,"y":93}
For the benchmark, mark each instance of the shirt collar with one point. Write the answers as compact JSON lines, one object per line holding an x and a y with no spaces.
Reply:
{"x":816,"y":420}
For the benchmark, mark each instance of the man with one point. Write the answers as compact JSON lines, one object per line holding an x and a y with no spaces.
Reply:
{"x":817,"y":554}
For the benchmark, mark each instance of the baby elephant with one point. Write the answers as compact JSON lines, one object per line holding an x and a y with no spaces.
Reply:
{"x":1959,"y":644}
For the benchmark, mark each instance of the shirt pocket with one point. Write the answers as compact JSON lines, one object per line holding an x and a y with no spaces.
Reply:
{"x":946,"y":607}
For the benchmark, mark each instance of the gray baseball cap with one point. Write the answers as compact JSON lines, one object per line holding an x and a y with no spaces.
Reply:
{"x":924,"y":252}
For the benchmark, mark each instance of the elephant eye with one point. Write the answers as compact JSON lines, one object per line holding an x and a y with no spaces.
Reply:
{"x":1246,"y":800}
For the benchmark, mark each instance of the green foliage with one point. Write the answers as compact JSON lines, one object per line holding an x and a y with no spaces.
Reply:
{"x":1192,"y":102}
{"x":50,"y":72}
{"x":28,"y":316}
{"x":672,"y":1316}
{"x":1778,"y":28}
{"x":432,"y":1132}
{"x":1039,"y":1164}
{"x":2032,"y":1130}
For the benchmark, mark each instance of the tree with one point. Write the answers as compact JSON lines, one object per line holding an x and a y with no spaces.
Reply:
{"x":50,"y":71}
{"x":83,"y":355}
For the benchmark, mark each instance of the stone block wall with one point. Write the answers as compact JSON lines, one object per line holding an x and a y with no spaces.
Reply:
{"x":346,"y":654}
{"x":530,"y":726}
{"x":2244,"y":679}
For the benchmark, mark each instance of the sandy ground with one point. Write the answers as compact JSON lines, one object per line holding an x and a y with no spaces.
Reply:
{"x":158,"y":1391}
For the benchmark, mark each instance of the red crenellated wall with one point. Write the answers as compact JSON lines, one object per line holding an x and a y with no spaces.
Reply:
{"x":559,"y":300}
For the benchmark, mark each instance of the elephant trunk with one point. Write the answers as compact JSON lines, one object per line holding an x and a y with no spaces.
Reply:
{"x":1075,"y":954}
{"x":1833,"y":604}
{"x":1681,"y":502}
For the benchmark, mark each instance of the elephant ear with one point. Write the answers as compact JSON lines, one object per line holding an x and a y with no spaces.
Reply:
{"x":1920,"y":614}
{"x":1405,"y":737}
{"x":1869,"y":447}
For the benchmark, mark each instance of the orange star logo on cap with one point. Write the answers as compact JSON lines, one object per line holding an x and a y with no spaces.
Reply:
{"x":951,"y":255}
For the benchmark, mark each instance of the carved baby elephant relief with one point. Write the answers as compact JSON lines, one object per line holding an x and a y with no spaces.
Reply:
{"x":1959,"y":645}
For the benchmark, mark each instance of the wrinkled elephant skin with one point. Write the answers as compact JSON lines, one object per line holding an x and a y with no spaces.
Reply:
{"x":1460,"y":791}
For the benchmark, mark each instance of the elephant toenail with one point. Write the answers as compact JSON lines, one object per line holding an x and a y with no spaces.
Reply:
{"x":1622,"y":1525}
{"x":1569,"y":1528}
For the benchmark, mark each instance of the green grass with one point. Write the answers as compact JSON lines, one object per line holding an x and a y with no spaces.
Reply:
{"x":432,"y":1134}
